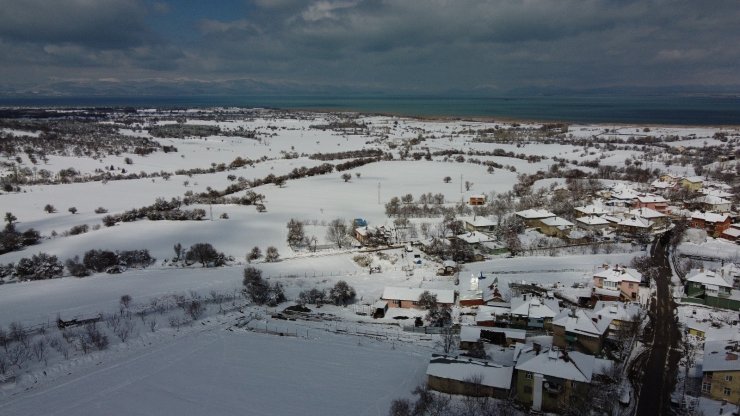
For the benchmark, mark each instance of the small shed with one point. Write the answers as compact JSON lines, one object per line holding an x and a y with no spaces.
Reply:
{"x":379,"y":309}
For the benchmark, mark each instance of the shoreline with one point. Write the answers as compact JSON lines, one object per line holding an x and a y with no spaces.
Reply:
{"x":437,"y":118}
{"x":495,"y":119}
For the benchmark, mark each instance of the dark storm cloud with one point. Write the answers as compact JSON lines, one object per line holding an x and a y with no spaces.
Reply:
{"x":95,"y":23}
{"x":415,"y":46}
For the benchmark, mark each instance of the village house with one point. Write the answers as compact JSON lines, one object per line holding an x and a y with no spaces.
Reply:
{"x":532,"y":217}
{"x":477,"y":200}
{"x":693,"y":183}
{"x":469,"y":377}
{"x":478,"y":223}
{"x":495,"y":315}
{"x":713,"y":223}
{"x":372,"y":236}
{"x":623,"y":315}
{"x":529,"y":311}
{"x":713,"y":203}
{"x":547,"y":379}
{"x":634,"y":225}
{"x":449,"y":267}
{"x":596,"y":208}
{"x":592,"y":223}
{"x":474,"y":337}
{"x":617,"y":283}
{"x":475,"y":239}
{"x":654,"y":202}
{"x":658,"y":219}
{"x":721,"y":371}
{"x":555,"y":227}
{"x":659,"y":185}
{"x":408,"y":297}
{"x":667,"y":177}
{"x":714,"y":288}
{"x":732,"y":233}
{"x":580,"y":329}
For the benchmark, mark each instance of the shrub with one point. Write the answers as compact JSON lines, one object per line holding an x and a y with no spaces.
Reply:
{"x":100,"y":260}
{"x":50,"y":208}
{"x":205,"y":254}
{"x":76,"y":268}
{"x":135,"y":258}
{"x":342,"y":293}
{"x":101,"y":210}
{"x":271,"y":255}
{"x":78,"y":229}
{"x":40,"y":266}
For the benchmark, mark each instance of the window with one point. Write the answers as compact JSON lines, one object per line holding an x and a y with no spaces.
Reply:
{"x":727,"y":391}
{"x":728,"y":378}
{"x":528,"y":375}
{"x":706,"y":387}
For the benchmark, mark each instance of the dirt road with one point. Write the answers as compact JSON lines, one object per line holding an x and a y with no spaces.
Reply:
{"x":662,"y":339}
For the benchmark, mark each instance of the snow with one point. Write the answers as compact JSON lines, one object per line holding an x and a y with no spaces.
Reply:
{"x":218,"y":372}
{"x":492,"y":375}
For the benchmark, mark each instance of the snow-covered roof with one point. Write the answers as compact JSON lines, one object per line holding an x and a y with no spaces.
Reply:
{"x":732,"y":232}
{"x":592,"y":220}
{"x":552,"y":362}
{"x":645,"y":212}
{"x":721,"y":356}
{"x":709,"y":277}
{"x":479,"y":221}
{"x":636,"y":221}
{"x":489,"y":312}
{"x":472,"y":333}
{"x":474,"y":237}
{"x":713,"y":200}
{"x":596,"y":208}
{"x":709,"y":216}
{"x":534,"y":214}
{"x":619,"y":311}
{"x":651,"y":199}
{"x":717,"y":193}
{"x":661,"y":184}
{"x":413,"y":293}
{"x":449,"y":263}
{"x":534,"y":307}
{"x":619,"y":274}
{"x":492,"y":375}
{"x":694,"y":179}
{"x":583,"y":322}
{"x":557,"y":222}
{"x":612,"y":219}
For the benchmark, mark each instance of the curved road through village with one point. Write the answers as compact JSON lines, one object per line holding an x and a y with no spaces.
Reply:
{"x":659,"y":365}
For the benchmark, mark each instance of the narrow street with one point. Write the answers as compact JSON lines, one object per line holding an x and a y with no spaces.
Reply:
{"x":662,"y":338}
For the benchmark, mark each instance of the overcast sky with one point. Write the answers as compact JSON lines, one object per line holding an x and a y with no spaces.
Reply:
{"x":401,"y":46}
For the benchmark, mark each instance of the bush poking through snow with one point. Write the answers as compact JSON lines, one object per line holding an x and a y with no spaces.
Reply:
{"x":259,"y":290}
{"x":272,"y":255}
{"x":206,"y":255}
{"x":342,"y":293}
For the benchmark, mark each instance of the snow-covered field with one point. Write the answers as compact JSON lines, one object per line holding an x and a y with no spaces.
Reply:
{"x":212,"y":367}
{"x":209,"y":370}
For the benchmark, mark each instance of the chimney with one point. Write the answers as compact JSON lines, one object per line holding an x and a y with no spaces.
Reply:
{"x":537,"y":348}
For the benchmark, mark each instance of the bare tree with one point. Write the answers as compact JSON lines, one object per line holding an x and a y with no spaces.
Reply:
{"x":124,"y":329}
{"x":38,"y":348}
{"x":449,"y":340}
{"x":125,"y":301}
{"x":337,"y":232}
